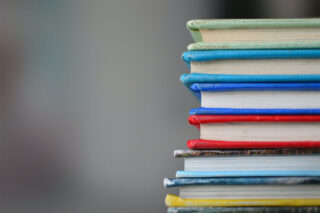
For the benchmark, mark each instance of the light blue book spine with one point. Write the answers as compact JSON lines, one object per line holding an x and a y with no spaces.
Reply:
{"x":209,"y":55}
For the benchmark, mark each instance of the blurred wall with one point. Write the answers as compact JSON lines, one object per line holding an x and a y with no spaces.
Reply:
{"x":102,"y":79}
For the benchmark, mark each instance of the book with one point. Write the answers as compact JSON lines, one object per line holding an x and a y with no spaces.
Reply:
{"x":256,"y":33}
{"x":178,"y":182}
{"x":254,"y":62}
{"x":246,"y":163}
{"x":175,"y":201}
{"x":258,"y":128}
{"x":305,"y":191}
{"x":244,"y":111}
{"x":200,"y":144}
{"x":259,"y":95}
{"x":244,"y":152}
{"x":269,"y":209}
{"x":253,"y":45}
{"x":189,"y":79}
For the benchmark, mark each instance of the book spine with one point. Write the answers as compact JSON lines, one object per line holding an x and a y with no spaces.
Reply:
{"x":203,"y":119}
{"x":199,"y":144}
{"x":232,"y":111}
{"x":176,"y":182}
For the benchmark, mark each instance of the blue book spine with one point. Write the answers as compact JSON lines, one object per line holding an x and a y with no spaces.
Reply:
{"x":222,"y":87}
{"x":209,"y":55}
{"x":189,"y":79}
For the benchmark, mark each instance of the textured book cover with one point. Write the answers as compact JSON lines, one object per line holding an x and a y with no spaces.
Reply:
{"x":175,"y":201}
{"x":243,"y":152}
{"x":254,"y":45}
{"x":177,"y":182}
{"x":190,"y":79}
{"x":200,"y":144}
{"x":235,"y":111}
{"x":269,"y":209}
{"x":210,"y":55}
{"x":194,"y":26}
{"x":222,"y":87}
{"x":205,"y":119}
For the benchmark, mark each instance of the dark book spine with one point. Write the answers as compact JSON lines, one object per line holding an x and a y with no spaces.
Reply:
{"x":176,"y":182}
{"x":245,"y":152}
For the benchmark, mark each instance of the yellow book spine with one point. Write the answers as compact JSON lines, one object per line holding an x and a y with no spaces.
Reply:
{"x":176,"y":201}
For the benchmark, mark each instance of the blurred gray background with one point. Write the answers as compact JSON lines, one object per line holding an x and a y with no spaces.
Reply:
{"x":97,"y":107}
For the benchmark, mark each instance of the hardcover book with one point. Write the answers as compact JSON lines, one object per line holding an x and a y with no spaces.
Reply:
{"x":190,"y":79}
{"x":249,"y":163}
{"x":258,"y":128}
{"x":259,"y":95}
{"x":255,"y":33}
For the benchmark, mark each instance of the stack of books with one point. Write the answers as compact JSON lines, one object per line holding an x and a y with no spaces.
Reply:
{"x":259,"y":149}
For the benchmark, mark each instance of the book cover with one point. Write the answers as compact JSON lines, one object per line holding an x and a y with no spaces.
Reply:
{"x":200,"y":144}
{"x":190,"y":79}
{"x":269,"y":209}
{"x":175,"y":201}
{"x":210,"y":55}
{"x":195,"y":25}
{"x":202,"y":119}
{"x":237,"y":111}
{"x":176,"y":182}
{"x":222,"y":87}
{"x":244,"y":152}
{"x":274,"y":173}
{"x":254,"y":45}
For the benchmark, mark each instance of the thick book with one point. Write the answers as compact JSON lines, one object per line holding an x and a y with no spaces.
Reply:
{"x":269,"y":209}
{"x":182,"y":182}
{"x":254,"y":62}
{"x":175,"y":201}
{"x":259,"y":95}
{"x":258,"y":128}
{"x":255,"y":33}
{"x":249,"y":163}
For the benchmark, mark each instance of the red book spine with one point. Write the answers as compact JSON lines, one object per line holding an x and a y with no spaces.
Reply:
{"x":202,"y":119}
{"x":209,"y":144}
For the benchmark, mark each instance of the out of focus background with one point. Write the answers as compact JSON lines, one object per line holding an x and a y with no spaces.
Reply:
{"x":91,"y":106}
